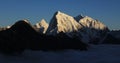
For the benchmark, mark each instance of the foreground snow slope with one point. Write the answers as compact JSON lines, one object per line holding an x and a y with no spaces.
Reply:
{"x":95,"y":54}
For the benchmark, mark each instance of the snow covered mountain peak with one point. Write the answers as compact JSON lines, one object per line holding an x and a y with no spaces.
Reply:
{"x":93,"y":29}
{"x":42,"y":26}
{"x":41,"y":23}
{"x":92,"y":23}
{"x":62,"y":22}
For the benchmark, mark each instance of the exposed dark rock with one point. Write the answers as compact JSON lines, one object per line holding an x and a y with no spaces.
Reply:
{"x":17,"y":38}
{"x":112,"y":37}
{"x":61,"y":42}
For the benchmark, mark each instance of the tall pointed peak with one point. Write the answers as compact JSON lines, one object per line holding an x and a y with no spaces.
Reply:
{"x":62,"y":22}
{"x":57,"y":12}
{"x":60,"y":13}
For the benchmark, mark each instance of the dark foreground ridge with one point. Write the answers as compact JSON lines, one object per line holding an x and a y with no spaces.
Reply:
{"x":22,"y":35}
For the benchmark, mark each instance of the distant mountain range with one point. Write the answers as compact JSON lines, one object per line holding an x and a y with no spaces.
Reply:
{"x":63,"y":32}
{"x":84,"y":27}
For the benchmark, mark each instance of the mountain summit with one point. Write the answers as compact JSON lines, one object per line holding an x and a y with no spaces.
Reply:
{"x":62,"y":22}
{"x":92,"y":23}
{"x":85,"y":28}
{"x":42,"y":26}
{"x":93,"y":29}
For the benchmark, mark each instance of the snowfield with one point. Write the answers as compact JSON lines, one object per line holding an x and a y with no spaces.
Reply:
{"x":95,"y":54}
